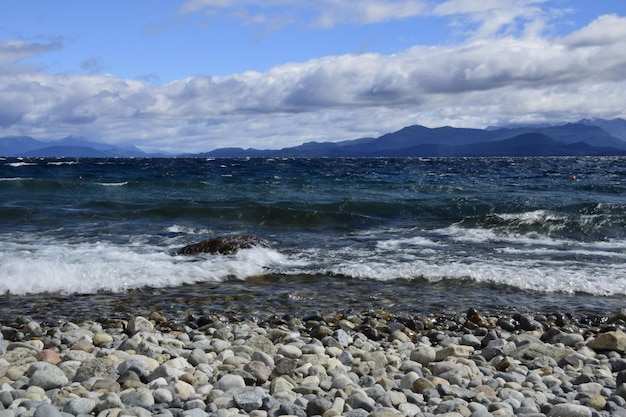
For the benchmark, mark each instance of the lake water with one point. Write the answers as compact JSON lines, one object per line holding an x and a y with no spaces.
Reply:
{"x":84,"y":237}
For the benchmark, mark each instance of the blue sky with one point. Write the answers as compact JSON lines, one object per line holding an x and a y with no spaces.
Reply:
{"x":196,"y":75}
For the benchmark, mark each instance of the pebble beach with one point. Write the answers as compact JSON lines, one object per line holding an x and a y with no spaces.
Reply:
{"x":358,"y":364}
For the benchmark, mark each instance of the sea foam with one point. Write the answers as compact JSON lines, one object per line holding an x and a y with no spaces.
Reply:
{"x":92,"y":267}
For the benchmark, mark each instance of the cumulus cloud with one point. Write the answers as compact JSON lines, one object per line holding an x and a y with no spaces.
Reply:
{"x":473,"y":83}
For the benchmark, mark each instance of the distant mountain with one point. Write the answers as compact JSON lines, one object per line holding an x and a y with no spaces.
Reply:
{"x":80,"y":152}
{"x":616,"y":127}
{"x":73,"y":147}
{"x":16,"y":145}
{"x":587,"y":137}
{"x":575,"y":139}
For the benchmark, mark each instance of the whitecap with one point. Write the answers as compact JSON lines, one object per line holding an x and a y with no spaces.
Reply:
{"x":20,"y":164}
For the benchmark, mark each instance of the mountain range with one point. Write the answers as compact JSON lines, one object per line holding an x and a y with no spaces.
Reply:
{"x":587,"y":137}
{"x":71,"y":147}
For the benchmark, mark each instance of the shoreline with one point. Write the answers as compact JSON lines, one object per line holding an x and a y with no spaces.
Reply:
{"x":262,"y":298}
{"x":326,"y":363}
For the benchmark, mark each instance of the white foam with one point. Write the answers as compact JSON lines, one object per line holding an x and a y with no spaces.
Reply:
{"x":477,"y":235}
{"x":92,"y":267}
{"x":555,"y":277}
{"x":62,"y":162}
{"x":20,"y":164}
{"x":544,"y":265}
{"x":188,"y":230}
{"x":113,"y":184}
{"x":419,"y":241}
{"x":532,"y":217}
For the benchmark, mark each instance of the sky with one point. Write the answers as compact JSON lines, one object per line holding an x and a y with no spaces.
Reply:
{"x":196,"y":75}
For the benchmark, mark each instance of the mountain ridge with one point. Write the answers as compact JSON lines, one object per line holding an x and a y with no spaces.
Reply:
{"x":592,"y":137}
{"x":569,"y":139}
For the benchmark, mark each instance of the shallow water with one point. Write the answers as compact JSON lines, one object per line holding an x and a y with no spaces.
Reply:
{"x":277,"y":296}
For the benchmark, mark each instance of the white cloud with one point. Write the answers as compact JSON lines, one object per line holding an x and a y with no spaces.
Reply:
{"x":14,"y":51}
{"x":472,"y":84}
{"x":607,"y":29}
{"x":494,"y":17}
{"x":327,"y":13}
{"x":334,"y":12}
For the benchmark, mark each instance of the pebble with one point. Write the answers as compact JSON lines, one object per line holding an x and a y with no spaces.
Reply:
{"x":373,"y":364}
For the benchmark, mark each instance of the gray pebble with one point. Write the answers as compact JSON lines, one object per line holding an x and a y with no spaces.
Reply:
{"x":569,"y":410}
{"x":79,"y":406}
{"x":227,"y":382}
{"x":46,"y":376}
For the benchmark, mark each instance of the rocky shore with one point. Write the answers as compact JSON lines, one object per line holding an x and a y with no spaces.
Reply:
{"x":370,"y":363}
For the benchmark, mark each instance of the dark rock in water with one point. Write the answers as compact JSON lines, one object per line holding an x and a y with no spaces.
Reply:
{"x":225,"y":245}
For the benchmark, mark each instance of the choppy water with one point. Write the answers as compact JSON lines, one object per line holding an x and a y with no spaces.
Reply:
{"x":96,"y":235}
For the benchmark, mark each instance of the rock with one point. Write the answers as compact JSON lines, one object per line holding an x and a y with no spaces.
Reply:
{"x":597,"y":402}
{"x":46,"y":376}
{"x":609,"y":341}
{"x":141,"y":397}
{"x":280,"y":384}
{"x":318,"y":406}
{"x":47,"y":410}
{"x":385,"y":412}
{"x":448,"y":367}
{"x":85,"y":343}
{"x":104,"y":367}
{"x":407,"y":381}
{"x":289,"y":351}
{"x":259,"y":370}
{"x":287,"y":409}
{"x":285,"y":366}
{"x":163,"y":395}
{"x":249,"y":398}
{"x":423,"y":355}
{"x":358,"y":399}
{"x":261,"y":343}
{"x":534,"y":350}
{"x":183,"y":390}
{"x":474,"y":317}
{"x":79,"y":406}
{"x":455,"y":391}
{"x":229,"y":381}
{"x":48,"y":355}
{"x":108,"y":401}
{"x":527,"y":323}
{"x":197,"y":356}
{"x":100,"y":339}
{"x":225,"y":245}
{"x":194,"y":412}
{"x":457,"y":351}
{"x":139,"y":324}
{"x":569,"y":410}
{"x":421,"y":384}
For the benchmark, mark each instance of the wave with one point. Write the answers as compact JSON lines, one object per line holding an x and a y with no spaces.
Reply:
{"x":91,"y":267}
{"x":20,"y":164}
{"x":36,"y":263}
{"x":16,"y":179}
{"x":113,"y":184}
{"x":586,"y":222}
{"x":58,"y":163}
